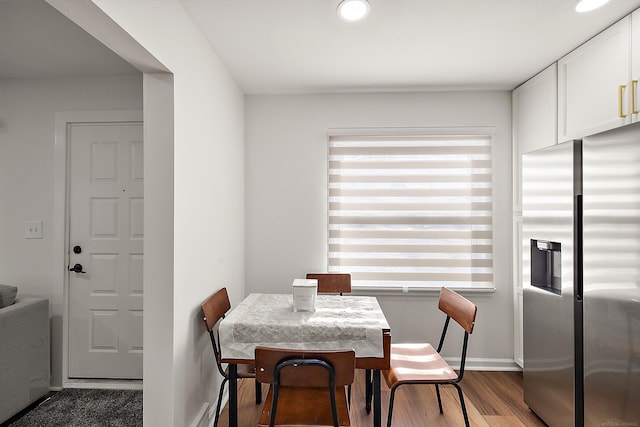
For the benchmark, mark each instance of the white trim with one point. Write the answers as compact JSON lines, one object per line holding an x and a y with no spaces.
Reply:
{"x":59,"y":294}
{"x":412,"y":290}
{"x":104,"y":385}
{"x":484,"y":364}
{"x":203,"y":417}
{"x":399,"y":131}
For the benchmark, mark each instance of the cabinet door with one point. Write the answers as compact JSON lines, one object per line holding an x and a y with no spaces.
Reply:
{"x":518,"y":337}
{"x":634,"y":103}
{"x":593,"y":84}
{"x":535,"y":107}
{"x":535,"y":117}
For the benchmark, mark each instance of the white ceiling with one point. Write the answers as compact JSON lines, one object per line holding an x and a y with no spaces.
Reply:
{"x":300,"y":46}
{"x":280,"y":46}
{"x":38,"y":41}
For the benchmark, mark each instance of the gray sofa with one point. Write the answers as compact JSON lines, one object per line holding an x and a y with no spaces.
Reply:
{"x":24,"y":354}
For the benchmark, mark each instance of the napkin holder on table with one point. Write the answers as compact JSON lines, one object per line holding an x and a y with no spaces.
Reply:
{"x":304,"y":294}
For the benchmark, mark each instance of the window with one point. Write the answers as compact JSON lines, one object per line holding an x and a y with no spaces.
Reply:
{"x":411,"y":211}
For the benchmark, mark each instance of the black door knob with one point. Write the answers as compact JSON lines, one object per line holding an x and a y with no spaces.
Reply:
{"x":77,"y":269}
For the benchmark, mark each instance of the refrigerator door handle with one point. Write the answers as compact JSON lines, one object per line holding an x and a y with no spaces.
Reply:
{"x":578,"y":249}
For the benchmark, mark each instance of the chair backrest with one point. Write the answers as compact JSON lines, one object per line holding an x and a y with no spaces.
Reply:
{"x":212,"y":310}
{"x":332,"y":282}
{"x":215,"y":307}
{"x":458,"y":308}
{"x":463,"y":311}
{"x":299,"y":375}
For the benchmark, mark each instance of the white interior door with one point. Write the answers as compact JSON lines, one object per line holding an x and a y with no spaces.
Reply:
{"x":105,"y":245}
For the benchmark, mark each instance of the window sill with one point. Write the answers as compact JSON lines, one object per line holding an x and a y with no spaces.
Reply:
{"x":414,"y":290}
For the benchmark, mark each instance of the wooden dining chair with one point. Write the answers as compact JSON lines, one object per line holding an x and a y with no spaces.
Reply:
{"x":213,"y":310}
{"x":335,"y":283}
{"x":307,"y":387}
{"x":422,"y":364}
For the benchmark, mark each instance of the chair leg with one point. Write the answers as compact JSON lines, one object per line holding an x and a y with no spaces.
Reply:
{"x":215,"y":422}
{"x":391,"y":399}
{"x":439,"y":400}
{"x":334,"y":407}
{"x":464,"y":408}
{"x":274,"y":405}
{"x":368,"y":389}
{"x":258,"y":393}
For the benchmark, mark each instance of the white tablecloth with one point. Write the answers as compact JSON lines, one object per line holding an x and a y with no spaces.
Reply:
{"x":339,"y":322}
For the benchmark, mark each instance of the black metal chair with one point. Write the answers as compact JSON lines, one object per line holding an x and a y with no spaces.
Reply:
{"x":422,"y":364}
{"x":308,"y":387}
{"x":213,"y":310}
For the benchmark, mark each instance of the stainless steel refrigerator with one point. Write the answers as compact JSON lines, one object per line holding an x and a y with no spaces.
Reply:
{"x":581,"y":274}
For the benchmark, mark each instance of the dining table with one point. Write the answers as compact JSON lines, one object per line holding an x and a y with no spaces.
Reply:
{"x":337,"y":322}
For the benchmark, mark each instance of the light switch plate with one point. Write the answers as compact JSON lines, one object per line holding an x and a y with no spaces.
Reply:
{"x":33,"y":230}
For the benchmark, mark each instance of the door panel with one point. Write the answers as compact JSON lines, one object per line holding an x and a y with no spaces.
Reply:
{"x":612,"y":277}
{"x":106,"y":207}
{"x":589,"y":78}
{"x":548,"y":317}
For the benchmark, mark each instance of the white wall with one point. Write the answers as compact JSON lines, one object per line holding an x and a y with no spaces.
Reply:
{"x":286,"y":193}
{"x":158,"y":272}
{"x":204,"y":240}
{"x":208,"y":208}
{"x":27,"y":130}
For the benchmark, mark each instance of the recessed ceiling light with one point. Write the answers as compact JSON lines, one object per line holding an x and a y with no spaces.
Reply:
{"x":588,"y":5}
{"x":353,"y":10}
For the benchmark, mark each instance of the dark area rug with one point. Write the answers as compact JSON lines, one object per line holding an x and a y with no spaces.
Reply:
{"x":85,"y":408}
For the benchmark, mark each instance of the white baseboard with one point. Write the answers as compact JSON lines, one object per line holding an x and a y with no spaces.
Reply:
{"x":203,"y":418}
{"x":104,"y":384}
{"x":207,"y":413}
{"x":485,"y":364}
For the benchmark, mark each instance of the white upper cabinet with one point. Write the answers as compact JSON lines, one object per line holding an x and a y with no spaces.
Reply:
{"x":634,"y":94}
{"x":594,"y":84}
{"x":535,"y":113}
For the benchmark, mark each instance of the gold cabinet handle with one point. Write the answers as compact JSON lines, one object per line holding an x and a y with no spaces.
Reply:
{"x":620,"y":90}
{"x":634,"y":87}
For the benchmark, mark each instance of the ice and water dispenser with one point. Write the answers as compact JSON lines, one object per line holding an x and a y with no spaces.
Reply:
{"x":546,"y":265}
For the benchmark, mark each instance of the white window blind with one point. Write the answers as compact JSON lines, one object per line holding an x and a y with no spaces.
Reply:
{"x":411,"y":211}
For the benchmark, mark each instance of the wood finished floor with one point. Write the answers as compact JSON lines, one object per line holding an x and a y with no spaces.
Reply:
{"x":493,"y":399}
